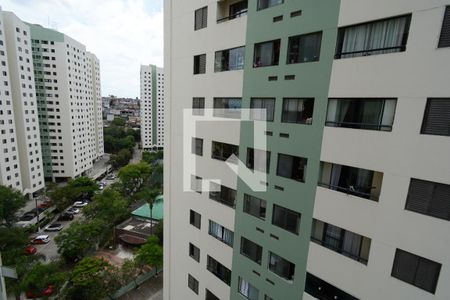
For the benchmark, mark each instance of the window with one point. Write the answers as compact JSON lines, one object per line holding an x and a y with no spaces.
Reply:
{"x":444,"y":39}
{"x":292,"y":167}
{"x":378,"y":37}
{"x":251,"y":250}
{"x":222,"y":194}
{"x":350,"y":180}
{"x":200,"y":64}
{"x":198,"y":105}
{"x":227,"y":107}
{"x":228,"y":60}
{"x":372,"y":114}
{"x":286,"y":219}
{"x":297,"y":110}
{"x":193,"y":283}
{"x":221,"y":233}
{"x":263,"y":109}
{"x":281,"y":266}
{"x":195,"y":219}
{"x":196,"y":184}
{"x":429,"y":198}
{"x":197,"y":146}
{"x":247,"y":290}
{"x":210,"y":296}
{"x":418,"y":271}
{"x":194,"y":252}
{"x":342,"y":241}
{"x":258,"y":160}
{"x":255,"y":206}
{"x":321,"y":289}
{"x":219,"y":270}
{"x":266,"y":54}
{"x":304,"y":48}
{"x":263,"y":4}
{"x":201,"y":18}
{"x":223,"y":151}
{"x":436,"y":118}
{"x":238,"y":9}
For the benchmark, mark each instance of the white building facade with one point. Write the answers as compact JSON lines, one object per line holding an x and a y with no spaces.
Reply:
{"x":68,"y":90}
{"x":152,"y":107}
{"x":20,"y":154}
{"x":358,"y":140}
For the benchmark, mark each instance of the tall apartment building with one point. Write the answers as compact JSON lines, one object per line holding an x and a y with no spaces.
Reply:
{"x":152,"y":107}
{"x":68,"y":93}
{"x":20,"y":146}
{"x":358,"y":139}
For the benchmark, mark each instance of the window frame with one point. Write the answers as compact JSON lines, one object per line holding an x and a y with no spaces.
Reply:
{"x":300,"y":37}
{"x":275,"y":59}
{"x":247,"y":199}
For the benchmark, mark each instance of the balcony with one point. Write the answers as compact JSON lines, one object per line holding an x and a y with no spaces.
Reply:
{"x":229,"y":10}
{"x":350,"y":180}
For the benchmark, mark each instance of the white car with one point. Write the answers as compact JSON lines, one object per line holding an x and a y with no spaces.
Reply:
{"x":79,"y":204}
{"x":41,"y":239}
{"x":54,"y":227}
{"x":73,"y":211}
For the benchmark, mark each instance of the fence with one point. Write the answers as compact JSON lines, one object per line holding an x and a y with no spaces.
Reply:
{"x":136,"y":283}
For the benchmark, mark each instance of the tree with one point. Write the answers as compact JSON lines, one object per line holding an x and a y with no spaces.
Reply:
{"x":159,"y":231}
{"x":76,"y":189}
{"x":121,"y":159}
{"x":41,"y":275}
{"x":93,"y":278}
{"x":134,"y":176}
{"x":151,"y":253}
{"x":109,"y":206}
{"x":10,"y":202}
{"x":118,"y":122}
{"x":79,"y":239}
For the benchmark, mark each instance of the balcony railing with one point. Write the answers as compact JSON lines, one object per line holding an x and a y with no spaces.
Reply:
{"x":340,"y":251}
{"x":352,"y":190}
{"x":368,"y":52}
{"x":234,"y":16}
{"x":379,"y":127}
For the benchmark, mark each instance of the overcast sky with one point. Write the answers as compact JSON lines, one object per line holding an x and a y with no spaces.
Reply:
{"x":122,"y":33}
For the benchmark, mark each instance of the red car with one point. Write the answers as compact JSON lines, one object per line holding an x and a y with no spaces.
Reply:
{"x":30,"y":250}
{"x":45,"y":293}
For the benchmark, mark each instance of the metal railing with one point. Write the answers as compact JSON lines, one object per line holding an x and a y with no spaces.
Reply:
{"x":352,"y":190}
{"x":357,"y":125}
{"x":368,"y":52}
{"x":233,"y":16}
{"x":340,"y":251}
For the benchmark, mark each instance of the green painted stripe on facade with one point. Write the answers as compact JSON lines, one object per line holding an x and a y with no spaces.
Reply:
{"x":154,"y":106}
{"x":311,"y":81}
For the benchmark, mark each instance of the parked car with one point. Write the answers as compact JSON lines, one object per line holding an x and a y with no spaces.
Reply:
{"x":111,"y":177}
{"x":45,"y":293}
{"x":30,"y":250}
{"x":41,"y":239}
{"x":80,"y":204}
{"x":73,"y":211}
{"x":27,"y":217}
{"x":66,"y":217}
{"x":54,"y":227}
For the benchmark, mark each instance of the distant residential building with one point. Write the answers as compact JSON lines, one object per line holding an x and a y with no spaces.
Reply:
{"x":20,"y":146}
{"x":68,"y":93}
{"x":152,"y":107}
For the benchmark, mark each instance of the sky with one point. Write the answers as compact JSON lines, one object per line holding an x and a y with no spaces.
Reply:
{"x":123,"y":34}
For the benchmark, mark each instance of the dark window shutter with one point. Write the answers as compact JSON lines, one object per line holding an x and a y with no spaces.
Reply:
{"x":201,"y":18}
{"x":405,"y":265}
{"x":419,"y":195}
{"x":204,"y":17}
{"x":436,"y":120}
{"x":427,"y":275}
{"x":440,"y":204}
{"x":202,"y":64}
{"x":444,"y":39}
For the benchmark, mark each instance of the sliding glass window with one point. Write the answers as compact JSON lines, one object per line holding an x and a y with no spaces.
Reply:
{"x":378,"y":37}
{"x":371,"y":114}
{"x":229,"y":60}
{"x":304,"y":48}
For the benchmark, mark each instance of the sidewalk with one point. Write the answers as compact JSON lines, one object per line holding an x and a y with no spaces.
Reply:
{"x":149,"y":290}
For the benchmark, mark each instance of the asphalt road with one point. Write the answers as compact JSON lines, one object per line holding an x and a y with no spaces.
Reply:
{"x":50,"y":250}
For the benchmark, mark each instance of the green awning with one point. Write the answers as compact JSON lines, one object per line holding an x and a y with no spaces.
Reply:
{"x":157,"y":211}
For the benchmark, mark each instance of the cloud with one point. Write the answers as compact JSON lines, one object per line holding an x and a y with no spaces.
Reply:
{"x":122,"y":33}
